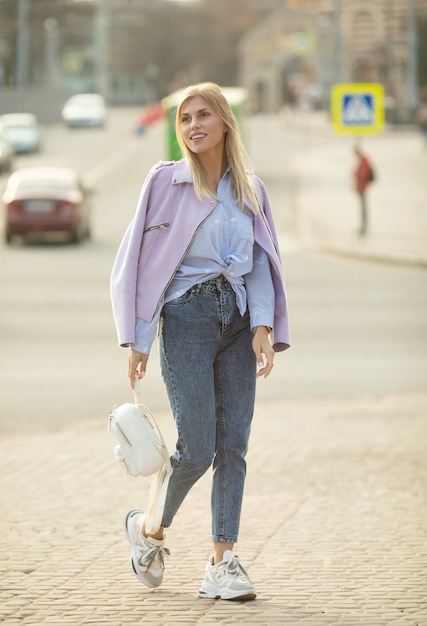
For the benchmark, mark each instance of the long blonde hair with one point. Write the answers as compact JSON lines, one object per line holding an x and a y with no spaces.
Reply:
{"x":243,"y":188}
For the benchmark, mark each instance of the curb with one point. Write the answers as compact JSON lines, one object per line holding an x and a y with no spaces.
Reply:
{"x":364,"y":255}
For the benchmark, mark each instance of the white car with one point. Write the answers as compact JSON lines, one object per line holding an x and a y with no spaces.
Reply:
{"x":85,"y":109}
{"x":22,"y":131}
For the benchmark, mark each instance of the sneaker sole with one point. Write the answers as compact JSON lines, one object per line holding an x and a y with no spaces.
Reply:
{"x":244,"y":598}
{"x":211,"y":592}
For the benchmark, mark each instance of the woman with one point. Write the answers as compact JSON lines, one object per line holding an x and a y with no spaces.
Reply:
{"x":200,"y":261}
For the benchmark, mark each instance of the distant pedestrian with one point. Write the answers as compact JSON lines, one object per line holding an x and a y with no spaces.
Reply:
{"x":363,"y":176}
{"x":200,"y":261}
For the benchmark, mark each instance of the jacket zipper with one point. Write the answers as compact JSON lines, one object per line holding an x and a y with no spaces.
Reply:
{"x":163,"y":226}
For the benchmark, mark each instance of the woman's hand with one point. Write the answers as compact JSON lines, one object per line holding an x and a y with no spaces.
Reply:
{"x":137,"y":366}
{"x":263,"y":350}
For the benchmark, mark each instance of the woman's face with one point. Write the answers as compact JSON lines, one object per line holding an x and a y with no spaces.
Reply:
{"x":202,"y":128}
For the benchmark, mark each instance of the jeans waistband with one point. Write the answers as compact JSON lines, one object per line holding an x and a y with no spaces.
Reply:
{"x":219,"y":282}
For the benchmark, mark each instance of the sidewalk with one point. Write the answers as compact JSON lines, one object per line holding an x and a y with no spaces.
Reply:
{"x":333,"y":529}
{"x":327,"y":207}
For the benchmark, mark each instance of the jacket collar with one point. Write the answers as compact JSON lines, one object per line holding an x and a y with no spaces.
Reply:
{"x":182,"y":173}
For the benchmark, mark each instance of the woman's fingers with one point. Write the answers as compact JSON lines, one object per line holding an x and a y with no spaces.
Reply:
{"x":137,"y":366}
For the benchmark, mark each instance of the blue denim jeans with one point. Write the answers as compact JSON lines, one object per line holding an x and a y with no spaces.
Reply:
{"x":209,"y":369}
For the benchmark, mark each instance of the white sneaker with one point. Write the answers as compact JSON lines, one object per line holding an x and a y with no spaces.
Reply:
{"x":227,"y":580}
{"x":147,"y":554}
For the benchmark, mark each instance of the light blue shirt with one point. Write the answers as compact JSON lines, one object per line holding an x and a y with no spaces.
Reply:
{"x":224,"y":244}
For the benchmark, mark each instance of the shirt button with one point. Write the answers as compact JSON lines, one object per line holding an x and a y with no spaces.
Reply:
{"x":212,"y":202}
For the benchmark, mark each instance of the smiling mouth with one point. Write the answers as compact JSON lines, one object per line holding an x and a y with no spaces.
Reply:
{"x":198,"y":136}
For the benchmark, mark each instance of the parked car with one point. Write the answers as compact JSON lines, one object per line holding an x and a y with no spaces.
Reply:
{"x":6,"y":156}
{"x":46,"y":199}
{"x":22,"y":131}
{"x":85,"y":109}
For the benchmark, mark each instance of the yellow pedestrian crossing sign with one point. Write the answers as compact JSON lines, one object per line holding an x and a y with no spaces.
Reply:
{"x":357,"y":108}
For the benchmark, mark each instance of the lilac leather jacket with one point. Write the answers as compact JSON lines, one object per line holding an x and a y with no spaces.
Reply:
{"x":167,"y":218}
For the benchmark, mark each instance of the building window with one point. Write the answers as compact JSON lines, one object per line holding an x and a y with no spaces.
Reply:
{"x":364,"y":38}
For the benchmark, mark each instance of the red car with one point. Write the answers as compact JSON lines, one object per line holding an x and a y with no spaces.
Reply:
{"x":45,"y":200}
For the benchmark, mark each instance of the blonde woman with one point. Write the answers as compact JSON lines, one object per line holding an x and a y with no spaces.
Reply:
{"x":200,"y":262}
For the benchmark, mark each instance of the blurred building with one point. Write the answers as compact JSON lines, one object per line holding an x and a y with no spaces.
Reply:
{"x":74,"y":46}
{"x":304,"y":46}
{"x":286,"y":52}
{"x":132,"y":51}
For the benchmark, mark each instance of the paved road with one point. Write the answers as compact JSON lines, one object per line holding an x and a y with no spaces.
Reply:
{"x":333,"y":527}
{"x":356,"y":327}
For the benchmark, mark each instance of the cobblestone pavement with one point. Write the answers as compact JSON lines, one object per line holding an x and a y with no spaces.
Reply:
{"x":333,"y":528}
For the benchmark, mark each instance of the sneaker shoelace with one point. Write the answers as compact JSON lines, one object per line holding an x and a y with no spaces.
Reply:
{"x":234,"y":568}
{"x":149,"y":556}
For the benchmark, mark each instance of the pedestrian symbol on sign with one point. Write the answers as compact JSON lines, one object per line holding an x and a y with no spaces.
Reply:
{"x":358,"y":109}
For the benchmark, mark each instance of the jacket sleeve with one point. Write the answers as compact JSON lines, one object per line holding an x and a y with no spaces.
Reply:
{"x":266,"y":209}
{"x":125,"y":269}
{"x":281,"y":332}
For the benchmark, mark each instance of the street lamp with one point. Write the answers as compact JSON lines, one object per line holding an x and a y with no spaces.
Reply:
{"x":51,"y":52}
{"x":102,"y":23}
{"x":22,"y":43}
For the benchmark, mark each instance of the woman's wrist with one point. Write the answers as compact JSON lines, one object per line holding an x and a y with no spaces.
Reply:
{"x":267,"y":329}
